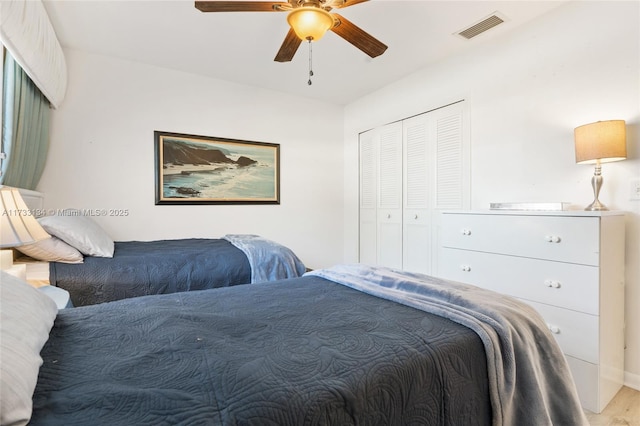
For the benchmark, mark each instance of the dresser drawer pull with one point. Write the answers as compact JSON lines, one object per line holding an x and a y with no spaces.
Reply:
{"x":554,"y":328}
{"x":465,"y":268}
{"x":552,"y":283}
{"x":465,"y":231}
{"x":552,"y":238}
{"x":388,"y":215}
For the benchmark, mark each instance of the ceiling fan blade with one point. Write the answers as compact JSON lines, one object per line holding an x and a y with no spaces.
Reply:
{"x":347,"y":3}
{"x":358,"y":37}
{"x":240,"y":6}
{"x":289,"y":47}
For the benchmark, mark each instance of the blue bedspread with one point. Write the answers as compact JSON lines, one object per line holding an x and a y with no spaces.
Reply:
{"x":140,"y":268}
{"x":529,"y":378}
{"x":269,"y":260}
{"x":304,"y":351}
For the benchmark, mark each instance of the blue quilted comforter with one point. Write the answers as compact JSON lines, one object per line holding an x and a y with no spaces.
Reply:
{"x":304,"y":351}
{"x":140,"y":268}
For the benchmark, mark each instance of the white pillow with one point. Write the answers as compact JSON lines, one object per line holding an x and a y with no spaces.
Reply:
{"x":52,"y":250}
{"x":80,"y":232}
{"x":26,"y":318}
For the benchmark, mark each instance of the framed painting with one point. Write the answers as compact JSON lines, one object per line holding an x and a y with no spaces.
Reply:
{"x":194,"y":169}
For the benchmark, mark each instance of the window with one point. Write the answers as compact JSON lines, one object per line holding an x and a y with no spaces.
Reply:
{"x":25,"y":127}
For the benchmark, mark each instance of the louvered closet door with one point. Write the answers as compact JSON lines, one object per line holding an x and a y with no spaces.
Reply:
{"x":416,"y":247}
{"x":390,"y":196}
{"x":451,"y":157}
{"x":368,"y":197}
{"x":449,"y":137}
{"x":408,"y":171}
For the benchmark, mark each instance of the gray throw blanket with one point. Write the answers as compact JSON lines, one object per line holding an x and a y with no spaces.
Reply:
{"x":269,"y":260}
{"x":529,"y":378}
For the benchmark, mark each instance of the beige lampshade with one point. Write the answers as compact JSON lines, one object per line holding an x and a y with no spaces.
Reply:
{"x":17,"y":225}
{"x":604,"y":140}
{"x":310,"y":23}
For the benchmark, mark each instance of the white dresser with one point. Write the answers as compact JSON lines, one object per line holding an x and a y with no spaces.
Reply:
{"x":569,"y":265}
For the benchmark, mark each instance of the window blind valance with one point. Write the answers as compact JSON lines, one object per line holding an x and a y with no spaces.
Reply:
{"x":27,"y":33}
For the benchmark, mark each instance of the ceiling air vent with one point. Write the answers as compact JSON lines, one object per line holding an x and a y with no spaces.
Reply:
{"x":482,"y":26}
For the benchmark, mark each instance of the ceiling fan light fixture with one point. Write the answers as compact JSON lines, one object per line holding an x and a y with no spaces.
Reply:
{"x":310,"y":23}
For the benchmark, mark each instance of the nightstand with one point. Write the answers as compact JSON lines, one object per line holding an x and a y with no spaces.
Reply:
{"x":37,"y":271}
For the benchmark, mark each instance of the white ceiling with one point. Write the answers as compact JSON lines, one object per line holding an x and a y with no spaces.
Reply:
{"x":240,"y":46}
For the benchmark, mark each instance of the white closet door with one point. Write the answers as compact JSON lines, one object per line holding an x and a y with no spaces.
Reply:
{"x":450,"y":141}
{"x":368,"y":197}
{"x":416,"y":250}
{"x":451,"y":157}
{"x":390,"y":196}
{"x":410,"y":170}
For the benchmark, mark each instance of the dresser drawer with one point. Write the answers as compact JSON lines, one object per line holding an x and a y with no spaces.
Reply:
{"x":595,"y":386}
{"x":586,"y":377}
{"x":559,"y":284}
{"x":577,"y":333}
{"x":560,"y":238}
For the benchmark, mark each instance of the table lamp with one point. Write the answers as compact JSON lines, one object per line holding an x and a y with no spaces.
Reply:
{"x":17,"y":227}
{"x":596,"y":143}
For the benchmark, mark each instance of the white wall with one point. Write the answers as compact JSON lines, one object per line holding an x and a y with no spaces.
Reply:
{"x":526,"y":94}
{"x":101,"y":154}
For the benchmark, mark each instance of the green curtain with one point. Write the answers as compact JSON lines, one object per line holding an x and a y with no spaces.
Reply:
{"x":25,"y":128}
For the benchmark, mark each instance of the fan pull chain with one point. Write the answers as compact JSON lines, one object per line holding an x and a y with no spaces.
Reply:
{"x":310,"y":63}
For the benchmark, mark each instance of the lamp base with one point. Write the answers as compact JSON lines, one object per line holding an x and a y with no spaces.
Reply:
{"x":596,"y":206}
{"x":596,"y":184}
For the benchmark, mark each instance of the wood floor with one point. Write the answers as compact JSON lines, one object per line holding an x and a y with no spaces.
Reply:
{"x":623,"y":410}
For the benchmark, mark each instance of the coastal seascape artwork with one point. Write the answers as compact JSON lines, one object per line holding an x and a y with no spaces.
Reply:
{"x":194,"y":169}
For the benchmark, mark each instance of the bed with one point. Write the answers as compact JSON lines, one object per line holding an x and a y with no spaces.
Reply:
{"x":86,"y":262}
{"x":345,"y":345}
{"x":140,"y":268}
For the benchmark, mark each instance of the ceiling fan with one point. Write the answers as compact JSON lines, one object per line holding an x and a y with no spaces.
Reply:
{"x":309,"y":20}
